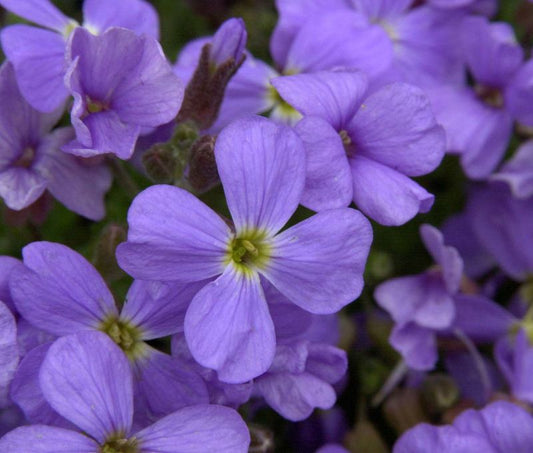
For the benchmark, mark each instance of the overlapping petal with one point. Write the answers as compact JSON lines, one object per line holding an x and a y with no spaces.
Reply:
{"x":228,"y":327}
{"x":60,"y":291}
{"x":87,"y":379}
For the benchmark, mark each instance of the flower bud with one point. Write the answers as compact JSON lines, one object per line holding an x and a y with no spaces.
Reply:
{"x":229,"y":42}
{"x":203,"y":173}
{"x":104,"y":255}
{"x":219,"y":60}
{"x":439,"y":393}
{"x":262,"y":439}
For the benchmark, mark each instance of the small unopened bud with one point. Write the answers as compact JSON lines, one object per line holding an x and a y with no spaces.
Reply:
{"x":262,"y":439}
{"x":403,"y":409}
{"x":203,"y":173}
{"x":160,"y":163}
{"x":165,"y":162}
{"x":104,"y":255}
{"x":219,"y":60}
{"x":229,"y":42}
{"x":439,"y":393}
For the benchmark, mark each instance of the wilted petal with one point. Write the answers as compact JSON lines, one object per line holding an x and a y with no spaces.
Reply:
{"x":385,"y":195}
{"x":197,"y":429}
{"x":59,"y":290}
{"x":262,"y":168}
{"x":173,"y":236}
{"x":87,"y":379}
{"x":318,"y":263}
{"x":46,"y":439}
{"x":228,"y":327}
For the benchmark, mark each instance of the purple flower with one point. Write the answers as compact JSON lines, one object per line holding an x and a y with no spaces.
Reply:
{"x":479,"y":121}
{"x":428,"y":304}
{"x":364,"y":147}
{"x":38,"y":55}
{"x":499,"y":427}
{"x":416,"y":45}
{"x":59,"y":292}
{"x":31,"y":160}
{"x":87,"y":379}
{"x":121,"y":82}
{"x":317,"y":264}
{"x":345,"y":40}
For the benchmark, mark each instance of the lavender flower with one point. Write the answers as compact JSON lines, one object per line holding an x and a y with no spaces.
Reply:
{"x":479,"y":121}
{"x":31,"y":161}
{"x":121,"y":82}
{"x":499,"y":427}
{"x":428,"y":304}
{"x":87,"y":379}
{"x":364,"y":147}
{"x":38,"y":55}
{"x":317,"y":264}
{"x":59,"y":292}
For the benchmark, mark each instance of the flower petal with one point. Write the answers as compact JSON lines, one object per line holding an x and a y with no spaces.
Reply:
{"x":328,"y":180}
{"x":163,"y":384}
{"x":197,"y":429}
{"x":78,"y":185}
{"x":416,"y":344}
{"x":26,"y":390}
{"x":262,"y":168}
{"x":46,"y":439}
{"x":87,"y":379}
{"x":137,"y":15}
{"x":385,"y":195}
{"x":173,"y":236}
{"x":39,"y":60}
{"x":60,"y":291}
{"x":228,"y":327}
{"x":334,"y":95}
{"x":397,"y":128}
{"x":158,"y":308}
{"x":42,"y":12}
{"x":318,"y":263}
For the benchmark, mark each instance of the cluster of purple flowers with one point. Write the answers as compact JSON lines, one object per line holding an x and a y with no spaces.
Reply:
{"x":234,"y":309}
